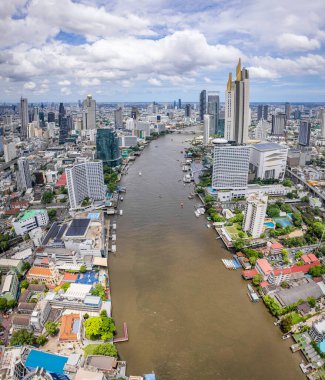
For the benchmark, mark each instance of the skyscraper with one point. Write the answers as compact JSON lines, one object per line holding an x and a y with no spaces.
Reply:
{"x":24,"y":116}
{"x":208,"y":126}
{"x":107,"y":146}
{"x":89,"y":113}
{"x":179,"y":103}
{"x":237,"y":113}
{"x":51,"y":117}
{"x":118,"y":118}
{"x":188,"y":110}
{"x":255,"y":214}
{"x":63,"y":125}
{"x":262,"y":112}
{"x":24,"y":179}
{"x":304,"y":133}
{"x":213,"y":109}
{"x":278,"y":124}
{"x":287,"y":110}
{"x":322,"y":122}
{"x":230,"y":166}
{"x":85,"y":180}
{"x":203,"y":104}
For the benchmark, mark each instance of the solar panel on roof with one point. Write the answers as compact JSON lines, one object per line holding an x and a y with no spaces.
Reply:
{"x":78,"y":227}
{"x":61,"y":232}
{"x":52,"y":233}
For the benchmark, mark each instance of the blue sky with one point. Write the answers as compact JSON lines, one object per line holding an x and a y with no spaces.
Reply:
{"x":61,"y":50}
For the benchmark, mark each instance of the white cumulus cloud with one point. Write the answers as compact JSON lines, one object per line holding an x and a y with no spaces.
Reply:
{"x":29,"y":85}
{"x":294,"y":42}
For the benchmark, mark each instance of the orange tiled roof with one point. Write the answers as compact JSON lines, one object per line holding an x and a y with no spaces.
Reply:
{"x":69,"y":276}
{"x":39,"y":271}
{"x":66,"y":332}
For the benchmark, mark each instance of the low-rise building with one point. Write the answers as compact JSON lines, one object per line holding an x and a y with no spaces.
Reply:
{"x":30,"y":220}
{"x":48,"y":276}
{"x":7,"y":265}
{"x":264,"y":268}
{"x":9,"y":286}
{"x":70,"y":328}
{"x":40,"y":314}
{"x":317,"y":331}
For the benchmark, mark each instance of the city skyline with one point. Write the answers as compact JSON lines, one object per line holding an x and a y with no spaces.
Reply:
{"x":164,"y":51}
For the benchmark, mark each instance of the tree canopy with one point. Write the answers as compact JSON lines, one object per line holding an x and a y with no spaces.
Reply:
{"x":47,"y":197}
{"x":101,"y":327}
{"x":22,"y":337}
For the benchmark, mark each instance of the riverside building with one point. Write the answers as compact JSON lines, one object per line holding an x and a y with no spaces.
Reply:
{"x":255,"y":214}
{"x":237,"y":112}
{"x":85,"y":180}
{"x":230,"y":166}
{"x":107,"y":146}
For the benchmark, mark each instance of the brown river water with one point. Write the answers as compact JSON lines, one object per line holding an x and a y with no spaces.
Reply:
{"x":188,"y":316}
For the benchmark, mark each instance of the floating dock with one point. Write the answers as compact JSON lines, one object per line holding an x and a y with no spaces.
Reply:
{"x":231,"y":264}
{"x":124,"y":338}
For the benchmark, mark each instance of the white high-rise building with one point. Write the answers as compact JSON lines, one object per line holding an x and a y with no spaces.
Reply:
{"x":89,"y":113}
{"x":268,"y":160}
{"x":255,"y":214}
{"x":322,"y":122}
{"x":262,"y":130}
{"x":208,"y":128}
{"x":24,"y":116}
{"x":24,"y":179}
{"x":278,"y":124}
{"x":9,"y":150}
{"x":85,"y":180}
{"x":230,"y":166}
{"x":237,"y":112}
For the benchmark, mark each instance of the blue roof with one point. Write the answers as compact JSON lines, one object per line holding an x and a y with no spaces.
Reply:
{"x":51,"y":362}
{"x":267,"y":146}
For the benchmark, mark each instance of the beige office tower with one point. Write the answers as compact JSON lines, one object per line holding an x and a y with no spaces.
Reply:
{"x":89,"y":113}
{"x":237,"y":113}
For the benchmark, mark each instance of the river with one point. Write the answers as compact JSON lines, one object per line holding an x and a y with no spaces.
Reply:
{"x":188,"y":316}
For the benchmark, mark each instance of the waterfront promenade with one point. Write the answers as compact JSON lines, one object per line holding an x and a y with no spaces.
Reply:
{"x":188,"y":316}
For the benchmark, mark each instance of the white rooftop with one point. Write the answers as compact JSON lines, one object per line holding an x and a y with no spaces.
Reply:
{"x":22,"y":254}
{"x":78,"y":291}
{"x":320,"y":326}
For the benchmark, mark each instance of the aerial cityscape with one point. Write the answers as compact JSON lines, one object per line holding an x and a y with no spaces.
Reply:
{"x":162,"y":180}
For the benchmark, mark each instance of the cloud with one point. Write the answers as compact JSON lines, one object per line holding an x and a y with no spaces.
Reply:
{"x":260,"y":72}
{"x":65,"y":90}
{"x":154,"y":82}
{"x":29,"y":85}
{"x":294,"y":42}
{"x":64,"y":82}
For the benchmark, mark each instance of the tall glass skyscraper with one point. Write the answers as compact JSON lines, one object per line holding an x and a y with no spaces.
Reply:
{"x":203,"y":104}
{"x":107,"y":147}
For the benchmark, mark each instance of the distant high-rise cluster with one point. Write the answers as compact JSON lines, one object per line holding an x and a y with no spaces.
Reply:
{"x":237,"y":113}
{"x":278,"y":124}
{"x":262,"y":112}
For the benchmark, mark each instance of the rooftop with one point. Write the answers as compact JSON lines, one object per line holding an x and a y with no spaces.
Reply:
{"x":83,"y":374}
{"x":264,"y":147}
{"x":78,"y":291}
{"x":30,"y":214}
{"x":39,"y":271}
{"x":289,"y":296}
{"x":265,"y":266}
{"x":69,"y":326}
{"x":105,"y":363}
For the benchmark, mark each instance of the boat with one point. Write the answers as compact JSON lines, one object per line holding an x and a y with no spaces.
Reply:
{"x":121,"y":212}
{"x":197,"y":214}
{"x":121,"y":199}
{"x":181,"y":151}
{"x":190,"y":197}
{"x":187,"y":178}
{"x":286,"y":336}
{"x":252,"y":294}
{"x":208,"y":225}
{"x":140,"y":173}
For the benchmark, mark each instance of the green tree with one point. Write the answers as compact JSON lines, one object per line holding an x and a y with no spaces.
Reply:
{"x":273,"y":211}
{"x":101,"y":327}
{"x":51,"y":328}
{"x":284,"y":284}
{"x":41,"y":340}
{"x":3,"y":303}
{"x":241,"y":234}
{"x":11,"y":304}
{"x":26,"y":266}
{"x":287,"y":182}
{"x":47,"y":197}
{"x":257,"y":279}
{"x":107,"y":349}
{"x":297,"y":219}
{"x":239,"y":244}
{"x":52,"y":213}
{"x":317,"y":270}
{"x":99,"y":290}
{"x":273,"y":306}
{"x":305,"y":199}
{"x":83,"y":269}
{"x":24,"y":284}
{"x":285,"y":256}
{"x":298,"y":254}
{"x":22,"y":337}
{"x":311,"y":301}
{"x":317,"y":229}
{"x":65,"y":286}
{"x":286,"y":323}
